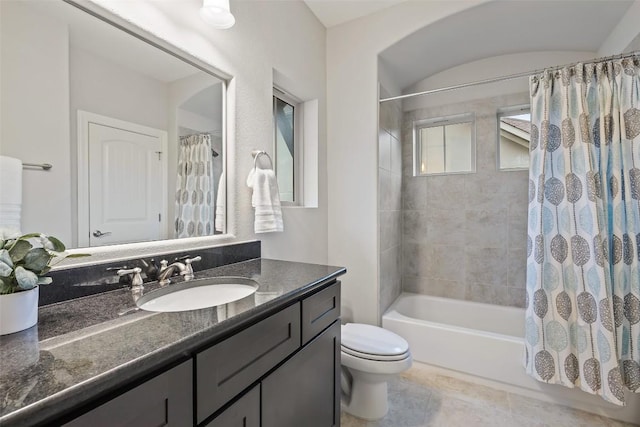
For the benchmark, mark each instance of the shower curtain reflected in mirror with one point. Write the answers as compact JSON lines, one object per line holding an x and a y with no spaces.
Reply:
{"x":195,"y":198}
{"x":583,"y":270}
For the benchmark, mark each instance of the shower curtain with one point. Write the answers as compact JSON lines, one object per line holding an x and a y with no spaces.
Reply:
{"x":583,"y":246}
{"x":195,"y":201}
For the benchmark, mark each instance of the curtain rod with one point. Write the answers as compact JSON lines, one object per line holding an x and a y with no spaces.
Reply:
{"x":508,"y":77}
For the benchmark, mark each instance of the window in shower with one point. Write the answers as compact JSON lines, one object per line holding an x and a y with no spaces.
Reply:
{"x":514,"y":129}
{"x":444,"y":145}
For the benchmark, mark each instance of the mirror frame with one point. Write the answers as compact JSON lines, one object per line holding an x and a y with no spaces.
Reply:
{"x":101,"y":254}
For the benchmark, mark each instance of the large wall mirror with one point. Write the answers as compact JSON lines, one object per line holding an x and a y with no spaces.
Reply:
{"x":135,"y":134}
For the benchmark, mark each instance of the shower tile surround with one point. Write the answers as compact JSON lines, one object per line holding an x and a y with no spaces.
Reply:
{"x":464,"y":235}
{"x":389,"y":202}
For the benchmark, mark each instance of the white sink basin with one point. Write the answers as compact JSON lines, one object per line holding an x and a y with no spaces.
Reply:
{"x":197,"y":294}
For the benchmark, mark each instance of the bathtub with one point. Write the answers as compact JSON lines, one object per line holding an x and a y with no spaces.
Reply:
{"x":484,"y":341}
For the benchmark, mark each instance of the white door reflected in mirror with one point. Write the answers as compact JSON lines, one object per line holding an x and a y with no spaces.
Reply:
{"x":127,"y":181}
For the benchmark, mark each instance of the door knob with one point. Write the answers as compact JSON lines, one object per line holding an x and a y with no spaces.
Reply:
{"x":99,"y":233}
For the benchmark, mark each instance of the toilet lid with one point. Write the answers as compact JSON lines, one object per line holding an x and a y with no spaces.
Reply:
{"x":372,"y":340}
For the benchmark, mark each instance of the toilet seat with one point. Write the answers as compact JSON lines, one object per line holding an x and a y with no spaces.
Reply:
{"x":373,"y":343}
{"x":374,"y":356}
{"x":373,"y":366}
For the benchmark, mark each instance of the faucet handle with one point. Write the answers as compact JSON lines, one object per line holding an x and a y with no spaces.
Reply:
{"x":188,"y":270}
{"x":188,"y":261}
{"x":136,"y":281}
{"x":125,"y":280}
{"x":163,"y":265}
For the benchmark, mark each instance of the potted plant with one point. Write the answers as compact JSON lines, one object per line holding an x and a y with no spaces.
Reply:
{"x":24,"y":262}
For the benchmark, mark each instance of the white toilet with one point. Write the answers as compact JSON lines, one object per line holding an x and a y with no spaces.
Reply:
{"x":371,"y":356}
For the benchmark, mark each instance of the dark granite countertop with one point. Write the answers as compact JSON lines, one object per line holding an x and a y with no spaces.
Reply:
{"x":85,"y":348}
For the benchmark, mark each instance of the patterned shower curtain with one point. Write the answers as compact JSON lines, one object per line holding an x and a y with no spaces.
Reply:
{"x":195,"y":201}
{"x":583,"y":246}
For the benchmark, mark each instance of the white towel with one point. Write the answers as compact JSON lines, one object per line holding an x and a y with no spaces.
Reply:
{"x":265,"y":200}
{"x":220,"y":204}
{"x":10,"y":193}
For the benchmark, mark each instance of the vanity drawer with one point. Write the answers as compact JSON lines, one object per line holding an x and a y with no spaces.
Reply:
{"x":319,"y":311}
{"x":230,"y":366}
{"x":165,"y":400}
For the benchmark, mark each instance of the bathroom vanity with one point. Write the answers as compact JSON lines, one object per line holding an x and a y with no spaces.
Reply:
{"x":270,"y":359}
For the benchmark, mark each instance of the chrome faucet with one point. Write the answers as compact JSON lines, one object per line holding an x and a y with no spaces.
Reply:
{"x":167,"y":270}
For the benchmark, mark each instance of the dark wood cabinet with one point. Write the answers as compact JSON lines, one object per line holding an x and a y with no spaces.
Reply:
{"x":319,"y":311}
{"x":304,"y":391}
{"x":165,"y":400}
{"x":283,"y":371}
{"x":245,"y":412}
{"x":229,"y":367}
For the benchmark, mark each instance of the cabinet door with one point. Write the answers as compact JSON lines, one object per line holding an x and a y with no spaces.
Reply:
{"x":165,"y":400}
{"x":305,"y":391}
{"x":243,"y":413}
{"x":229,"y":367}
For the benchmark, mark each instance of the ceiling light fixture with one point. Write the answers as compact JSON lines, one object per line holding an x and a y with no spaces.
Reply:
{"x":217,"y":13}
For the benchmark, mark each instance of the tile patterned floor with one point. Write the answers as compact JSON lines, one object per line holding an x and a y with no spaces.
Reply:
{"x":421,"y":398}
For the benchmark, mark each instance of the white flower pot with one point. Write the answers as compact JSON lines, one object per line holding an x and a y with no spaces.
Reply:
{"x":18,"y":311}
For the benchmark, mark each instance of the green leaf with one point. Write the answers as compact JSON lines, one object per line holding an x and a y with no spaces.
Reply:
{"x":44,"y":280}
{"x":5,"y":286}
{"x":5,"y":257}
{"x":6,"y":265}
{"x":58,"y":246}
{"x":29,"y":236}
{"x":36,"y":260}
{"x":19,"y":250}
{"x":5,"y":270}
{"x":26,"y":279}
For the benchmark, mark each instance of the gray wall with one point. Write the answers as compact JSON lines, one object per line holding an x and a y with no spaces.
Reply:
{"x":464,"y":236}
{"x":389,"y":202}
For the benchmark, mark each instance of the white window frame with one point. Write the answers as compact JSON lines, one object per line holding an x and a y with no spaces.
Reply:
{"x":418,"y":125}
{"x":298,"y":132}
{"x":504,"y":112}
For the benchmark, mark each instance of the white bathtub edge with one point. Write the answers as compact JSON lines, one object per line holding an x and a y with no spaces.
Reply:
{"x":448,"y":348}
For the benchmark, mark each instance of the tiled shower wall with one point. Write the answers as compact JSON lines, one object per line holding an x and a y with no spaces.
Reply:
{"x":464,"y":235}
{"x":389,"y":202}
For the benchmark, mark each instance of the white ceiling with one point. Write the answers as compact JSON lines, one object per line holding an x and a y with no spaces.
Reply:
{"x":204,"y":102}
{"x":502,"y":28}
{"x":495,"y":28}
{"x":335,"y":12}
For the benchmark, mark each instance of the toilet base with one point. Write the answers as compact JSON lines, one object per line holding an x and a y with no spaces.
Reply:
{"x":368,"y":400}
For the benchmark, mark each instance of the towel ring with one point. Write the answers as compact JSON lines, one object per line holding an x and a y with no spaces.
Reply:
{"x":258,"y":153}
